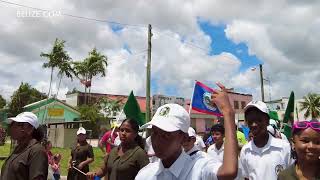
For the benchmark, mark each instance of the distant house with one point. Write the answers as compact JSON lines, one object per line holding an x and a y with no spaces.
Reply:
{"x":61,"y":120}
{"x":53,"y":110}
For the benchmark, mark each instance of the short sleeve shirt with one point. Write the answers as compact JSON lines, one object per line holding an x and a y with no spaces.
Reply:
{"x":195,"y":153}
{"x":290,"y":174}
{"x":126,"y":166}
{"x":268,"y":161}
{"x":184,"y":168}
{"x":26,"y":163}
{"x":106,"y":137}
{"x":216,"y":154}
{"x":80,"y":153}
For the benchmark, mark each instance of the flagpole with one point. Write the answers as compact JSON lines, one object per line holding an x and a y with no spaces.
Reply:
{"x":190,"y":106}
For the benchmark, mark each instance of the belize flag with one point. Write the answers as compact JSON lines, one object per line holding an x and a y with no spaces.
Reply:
{"x":201,"y":100}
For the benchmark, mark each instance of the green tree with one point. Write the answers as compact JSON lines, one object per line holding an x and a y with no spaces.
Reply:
{"x":311,"y":103}
{"x":2,"y":102}
{"x":91,"y":112}
{"x":58,"y":58}
{"x":66,"y":69}
{"x":110,"y":107}
{"x":93,"y":65}
{"x":24,"y":95}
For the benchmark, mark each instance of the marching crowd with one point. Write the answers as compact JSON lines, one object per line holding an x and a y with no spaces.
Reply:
{"x":174,"y":151}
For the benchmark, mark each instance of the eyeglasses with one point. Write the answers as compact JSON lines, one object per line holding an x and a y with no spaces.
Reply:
{"x":306,"y":124}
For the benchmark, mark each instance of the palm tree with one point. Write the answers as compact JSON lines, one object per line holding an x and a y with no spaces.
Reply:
{"x":57,"y":58}
{"x":97,"y":64}
{"x":92,"y":66}
{"x":81,"y":72}
{"x":311,"y":103}
{"x":66,"y":69}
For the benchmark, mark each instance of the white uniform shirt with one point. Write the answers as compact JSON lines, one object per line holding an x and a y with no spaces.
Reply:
{"x":266,"y":162}
{"x":197,"y":155}
{"x":149,"y":149}
{"x":216,"y":154}
{"x":184,"y":168}
{"x":199,"y":143}
{"x":284,"y":137}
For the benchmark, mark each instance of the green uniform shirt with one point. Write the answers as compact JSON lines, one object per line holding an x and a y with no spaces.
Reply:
{"x":26,"y":163}
{"x":127,"y":166}
{"x":290,"y":174}
{"x":79,"y":154}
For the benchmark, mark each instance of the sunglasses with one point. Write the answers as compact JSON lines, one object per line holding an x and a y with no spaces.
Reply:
{"x":306,"y":124}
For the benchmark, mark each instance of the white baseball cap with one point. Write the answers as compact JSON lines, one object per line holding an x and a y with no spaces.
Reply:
{"x":81,"y":130}
{"x":259,"y":105}
{"x":27,"y":117}
{"x":170,"y":117}
{"x":192,"y":132}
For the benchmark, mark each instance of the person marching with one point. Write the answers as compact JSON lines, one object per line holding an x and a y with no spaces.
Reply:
{"x":29,"y":160}
{"x":170,"y":126}
{"x":124,"y":161}
{"x":108,"y":139}
{"x":81,"y":156}
{"x":215,"y":151}
{"x":306,"y":145}
{"x":189,"y":145}
{"x":264,"y":156}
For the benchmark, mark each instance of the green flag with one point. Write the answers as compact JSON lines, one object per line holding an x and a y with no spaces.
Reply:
{"x":288,"y":116}
{"x":132,"y":109}
{"x":273,"y":115}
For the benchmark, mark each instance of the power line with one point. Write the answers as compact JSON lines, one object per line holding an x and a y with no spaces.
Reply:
{"x":120,"y":57}
{"x":106,"y":21}
{"x":185,"y":42}
{"x":76,"y":16}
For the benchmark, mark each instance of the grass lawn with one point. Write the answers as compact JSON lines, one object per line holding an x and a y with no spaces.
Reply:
{"x":65,"y":152}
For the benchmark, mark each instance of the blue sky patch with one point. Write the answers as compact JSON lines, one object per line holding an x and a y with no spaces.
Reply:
{"x":220,"y":43}
{"x":116,"y":27}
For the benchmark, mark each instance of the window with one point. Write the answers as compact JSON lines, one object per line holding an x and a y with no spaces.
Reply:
{"x":236,"y":104}
{"x":243,"y":104}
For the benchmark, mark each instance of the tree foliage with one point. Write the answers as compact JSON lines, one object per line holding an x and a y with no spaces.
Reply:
{"x":91,"y":112}
{"x":311,"y":103}
{"x":58,"y":58}
{"x":109,"y":107}
{"x":95,"y":64}
{"x":2,"y":102}
{"x":24,"y":95}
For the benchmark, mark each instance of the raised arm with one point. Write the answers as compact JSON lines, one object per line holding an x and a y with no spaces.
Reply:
{"x":229,"y":167}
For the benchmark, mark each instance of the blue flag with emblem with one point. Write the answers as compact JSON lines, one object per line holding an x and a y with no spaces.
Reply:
{"x":201,"y":100}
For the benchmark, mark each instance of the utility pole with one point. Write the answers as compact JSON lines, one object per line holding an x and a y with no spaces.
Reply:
{"x":148,"y":112}
{"x":261,"y":80}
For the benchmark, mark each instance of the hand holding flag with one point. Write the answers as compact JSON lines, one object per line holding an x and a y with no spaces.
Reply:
{"x":202,"y":99}
{"x":221,"y":99}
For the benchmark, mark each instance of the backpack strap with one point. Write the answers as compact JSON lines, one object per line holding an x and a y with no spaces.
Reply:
{"x":194,"y":152}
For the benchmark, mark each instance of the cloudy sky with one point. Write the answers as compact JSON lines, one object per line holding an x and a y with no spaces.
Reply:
{"x":205,"y":40}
